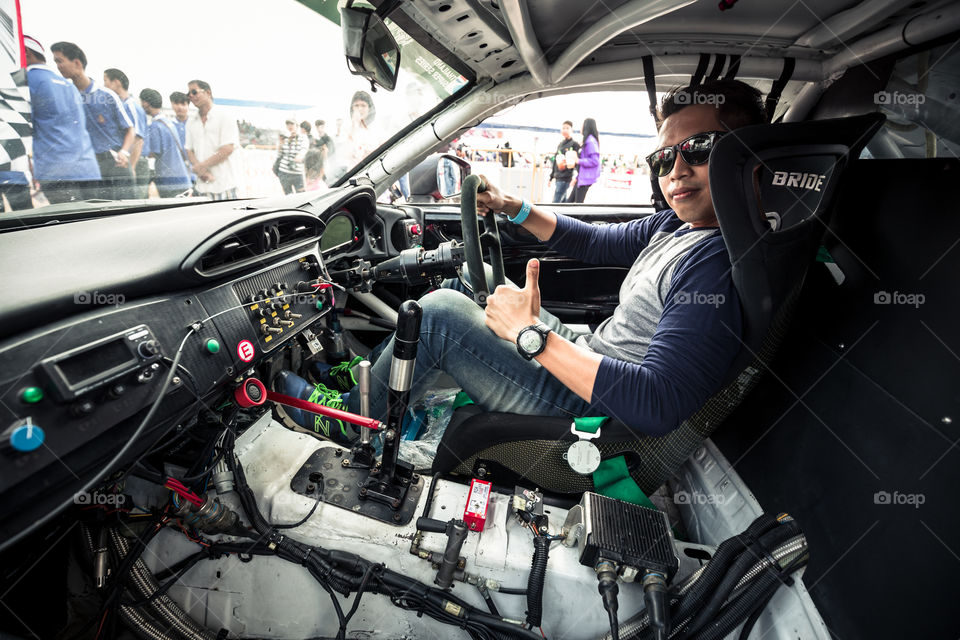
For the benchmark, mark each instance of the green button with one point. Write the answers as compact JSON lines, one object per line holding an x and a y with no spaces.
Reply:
{"x":31,"y":395}
{"x":213,"y":346}
{"x":319,"y":304}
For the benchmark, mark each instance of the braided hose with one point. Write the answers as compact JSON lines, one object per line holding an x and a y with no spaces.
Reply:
{"x":783,"y":555}
{"x":143,"y":582}
{"x":140,"y":625}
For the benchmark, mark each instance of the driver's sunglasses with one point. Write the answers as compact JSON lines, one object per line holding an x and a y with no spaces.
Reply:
{"x":694,"y":150}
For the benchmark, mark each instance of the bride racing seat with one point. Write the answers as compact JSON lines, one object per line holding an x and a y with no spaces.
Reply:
{"x":773,"y":189}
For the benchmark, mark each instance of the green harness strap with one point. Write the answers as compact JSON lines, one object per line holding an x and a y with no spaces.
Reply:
{"x":612,"y":478}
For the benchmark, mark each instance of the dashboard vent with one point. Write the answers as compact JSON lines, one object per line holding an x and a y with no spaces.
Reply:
{"x":248,"y":245}
{"x":290,"y":232}
{"x":237,"y":247}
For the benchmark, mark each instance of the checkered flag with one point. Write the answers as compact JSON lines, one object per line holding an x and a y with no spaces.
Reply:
{"x":16,"y":128}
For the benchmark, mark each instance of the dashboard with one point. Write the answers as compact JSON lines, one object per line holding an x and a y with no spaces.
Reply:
{"x":96,"y":310}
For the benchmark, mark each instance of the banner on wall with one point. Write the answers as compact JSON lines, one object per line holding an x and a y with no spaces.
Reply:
{"x":15,"y":120}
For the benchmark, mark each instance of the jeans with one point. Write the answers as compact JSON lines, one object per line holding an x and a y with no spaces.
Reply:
{"x":579,"y":193}
{"x":60,"y":191}
{"x":18,"y":196}
{"x":116,"y":183}
{"x":291,"y":182}
{"x":455,"y":340}
{"x":560,"y":190}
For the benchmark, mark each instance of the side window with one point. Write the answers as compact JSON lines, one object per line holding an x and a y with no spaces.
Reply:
{"x":922,"y":105}
{"x":536,"y":149}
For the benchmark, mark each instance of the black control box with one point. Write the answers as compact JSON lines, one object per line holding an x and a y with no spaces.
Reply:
{"x":281,"y":301}
{"x":624,"y":533}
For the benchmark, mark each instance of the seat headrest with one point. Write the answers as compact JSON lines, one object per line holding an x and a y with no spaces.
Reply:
{"x":787,"y":173}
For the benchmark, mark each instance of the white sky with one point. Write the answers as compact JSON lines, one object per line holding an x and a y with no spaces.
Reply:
{"x":275,"y":51}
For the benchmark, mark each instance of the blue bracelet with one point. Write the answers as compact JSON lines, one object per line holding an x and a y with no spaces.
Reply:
{"x":525,"y":209}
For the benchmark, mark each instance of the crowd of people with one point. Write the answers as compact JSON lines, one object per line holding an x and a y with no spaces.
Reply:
{"x":93,"y":139}
{"x":308,"y":157}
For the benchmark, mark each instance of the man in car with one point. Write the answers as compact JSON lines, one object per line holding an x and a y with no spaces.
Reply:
{"x":212,"y":142}
{"x":111,"y":130}
{"x":669,"y":343}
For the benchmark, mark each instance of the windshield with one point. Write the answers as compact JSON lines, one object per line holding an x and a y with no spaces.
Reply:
{"x":216,"y":99}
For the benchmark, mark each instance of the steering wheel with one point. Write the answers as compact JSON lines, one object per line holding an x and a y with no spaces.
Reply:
{"x":473,"y":241}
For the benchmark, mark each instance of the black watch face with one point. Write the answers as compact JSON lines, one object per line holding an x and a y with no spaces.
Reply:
{"x":529,"y":340}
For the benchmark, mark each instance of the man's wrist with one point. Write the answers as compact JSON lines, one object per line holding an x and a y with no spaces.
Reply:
{"x":511,"y":206}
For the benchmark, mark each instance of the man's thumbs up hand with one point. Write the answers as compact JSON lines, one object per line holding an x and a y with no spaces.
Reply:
{"x":510,"y":309}
{"x":532,"y":286}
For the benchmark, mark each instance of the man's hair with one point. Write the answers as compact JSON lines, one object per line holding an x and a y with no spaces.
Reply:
{"x":305,"y":125}
{"x":205,"y":86}
{"x":568,"y":122}
{"x":71,"y":51}
{"x":179,"y":97}
{"x":738,"y":104}
{"x":117,"y":75}
{"x":152,"y":97}
{"x":320,"y":123}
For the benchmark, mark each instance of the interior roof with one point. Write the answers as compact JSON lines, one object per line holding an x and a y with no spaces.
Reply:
{"x":779,"y":22}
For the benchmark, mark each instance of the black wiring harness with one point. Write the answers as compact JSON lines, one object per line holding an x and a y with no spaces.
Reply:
{"x":345,"y":573}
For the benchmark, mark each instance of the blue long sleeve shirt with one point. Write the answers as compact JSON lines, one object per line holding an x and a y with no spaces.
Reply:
{"x":677,"y":329}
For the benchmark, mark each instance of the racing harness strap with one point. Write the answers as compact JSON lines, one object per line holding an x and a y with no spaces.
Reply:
{"x":789,"y":64}
{"x":611,"y":478}
{"x":650,"y":80}
{"x":717,"y":67}
{"x":702,"y":65}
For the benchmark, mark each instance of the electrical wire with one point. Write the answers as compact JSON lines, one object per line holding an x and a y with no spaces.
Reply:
{"x":99,"y":475}
{"x":317,"y":495}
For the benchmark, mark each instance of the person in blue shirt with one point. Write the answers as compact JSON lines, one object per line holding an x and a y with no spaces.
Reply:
{"x":171,"y":175}
{"x":181,"y":111}
{"x":64,"y":165}
{"x":111,"y":130}
{"x":117,"y":81}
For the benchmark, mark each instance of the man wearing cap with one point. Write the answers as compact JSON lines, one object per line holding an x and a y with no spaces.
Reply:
{"x":117,"y":81}
{"x":111,"y":130}
{"x":64,"y":164}
{"x":212,"y":140}
{"x":171,"y":175}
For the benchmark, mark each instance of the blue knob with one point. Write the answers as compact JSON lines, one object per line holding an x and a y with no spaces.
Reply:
{"x":26,"y":437}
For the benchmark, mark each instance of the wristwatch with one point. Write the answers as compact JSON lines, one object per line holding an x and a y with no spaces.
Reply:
{"x":532,"y":340}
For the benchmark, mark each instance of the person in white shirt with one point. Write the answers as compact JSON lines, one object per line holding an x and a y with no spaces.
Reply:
{"x":212,"y":143}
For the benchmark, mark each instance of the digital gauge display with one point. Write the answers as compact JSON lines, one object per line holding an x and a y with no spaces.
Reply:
{"x":339,"y":232}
